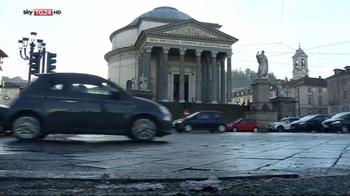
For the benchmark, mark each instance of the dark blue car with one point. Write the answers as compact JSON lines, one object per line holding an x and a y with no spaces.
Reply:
{"x":309,"y":123}
{"x":338,"y":123}
{"x":83,"y":104}
{"x":203,"y":120}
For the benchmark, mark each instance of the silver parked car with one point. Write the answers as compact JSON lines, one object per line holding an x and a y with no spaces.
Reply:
{"x":283,"y":124}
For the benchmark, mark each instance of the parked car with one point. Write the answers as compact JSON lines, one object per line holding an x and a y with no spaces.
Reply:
{"x":3,"y":114}
{"x":203,"y":120}
{"x":243,"y":124}
{"x":338,"y":122}
{"x":309,"y":123}
{"x":283,"y":124}
{"x":84,"y":104}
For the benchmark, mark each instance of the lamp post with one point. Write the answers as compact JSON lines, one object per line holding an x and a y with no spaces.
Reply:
{"x":34,"y":44}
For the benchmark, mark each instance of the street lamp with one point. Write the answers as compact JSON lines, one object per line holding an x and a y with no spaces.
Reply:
{"x":33,"y":57}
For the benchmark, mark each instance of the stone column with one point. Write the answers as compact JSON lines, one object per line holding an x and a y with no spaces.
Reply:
{"x":229,"y":78}
{"x":147,"y":66}
{"x":222,"y":69}
{"x":215,"y":77}
{"x":182,"y":74}
{"x":164,"y":76}
{"x":198,"y":76}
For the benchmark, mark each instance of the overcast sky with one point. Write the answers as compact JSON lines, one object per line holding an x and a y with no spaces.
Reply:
{"x":80,"y":35}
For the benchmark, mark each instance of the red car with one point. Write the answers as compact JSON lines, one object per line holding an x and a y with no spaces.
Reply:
{"x":244,"y":125}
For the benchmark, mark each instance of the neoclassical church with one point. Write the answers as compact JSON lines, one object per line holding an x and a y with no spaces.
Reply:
{"x":173,"y":56}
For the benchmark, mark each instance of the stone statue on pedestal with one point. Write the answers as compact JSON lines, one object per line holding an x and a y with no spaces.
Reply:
{"x":263,"y":65}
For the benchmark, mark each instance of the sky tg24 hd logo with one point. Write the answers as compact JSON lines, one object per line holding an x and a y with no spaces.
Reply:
{"x":42,"y":12}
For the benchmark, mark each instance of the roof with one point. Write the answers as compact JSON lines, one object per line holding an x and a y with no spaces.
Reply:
{"x":164,"y":13}
{"x":161,"y":14}
{"x":307,"y":81}
{"x":299,"y":52}
{"x":2,"y":54}
{"x":340,"y":73}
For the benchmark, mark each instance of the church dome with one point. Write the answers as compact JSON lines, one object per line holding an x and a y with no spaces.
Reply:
{"x":164,"y":14}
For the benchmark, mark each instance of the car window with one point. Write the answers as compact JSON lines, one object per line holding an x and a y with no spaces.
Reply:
{"x":203,"y":116}
{"x":215,"y":115}
{"x":56,"y":87}
{"x":90,"y":88}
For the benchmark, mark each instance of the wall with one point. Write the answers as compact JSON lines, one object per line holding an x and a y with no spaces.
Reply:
{"x":122,"y":67}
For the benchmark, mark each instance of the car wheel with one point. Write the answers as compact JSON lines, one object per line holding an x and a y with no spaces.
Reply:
{"x":280,"y":129}
{"x":344,"y":129}
{"x":235,"y":129}
{"x":221,"y":128}
{"x":255,"y":130}
{"x":143,"y":129}
{"x":188,"y":128}
{"x":26,"y":128}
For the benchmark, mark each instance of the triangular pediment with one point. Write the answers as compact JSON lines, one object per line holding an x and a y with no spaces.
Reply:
{"x":190,"y":30}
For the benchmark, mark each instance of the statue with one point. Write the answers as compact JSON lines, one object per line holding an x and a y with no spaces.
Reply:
{"x":263,"y":64}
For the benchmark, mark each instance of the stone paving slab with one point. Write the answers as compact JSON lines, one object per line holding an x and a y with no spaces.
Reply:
{"x":177,"y":156}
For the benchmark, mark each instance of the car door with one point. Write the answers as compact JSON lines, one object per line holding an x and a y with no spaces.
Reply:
{"x":117,"y":108}
{"x":242,"y":125}
{"x":201,"y":121}
{"x":78,"y":109}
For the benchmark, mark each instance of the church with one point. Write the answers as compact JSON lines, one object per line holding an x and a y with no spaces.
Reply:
{"x":174,"y":57}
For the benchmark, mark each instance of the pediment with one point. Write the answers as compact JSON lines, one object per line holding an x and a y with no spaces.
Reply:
{"x":190,"y":30}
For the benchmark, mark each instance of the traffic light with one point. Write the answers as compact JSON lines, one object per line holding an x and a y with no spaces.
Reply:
{"x":34,"y":63}
{"x":51,"y":60}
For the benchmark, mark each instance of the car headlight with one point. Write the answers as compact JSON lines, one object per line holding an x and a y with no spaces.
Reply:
{"x":302,"y":123}
{"x":165,"y":111}
{"x":336,"y":122}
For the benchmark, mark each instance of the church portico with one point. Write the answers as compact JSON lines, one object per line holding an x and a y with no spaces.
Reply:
{"x":185,"y":61}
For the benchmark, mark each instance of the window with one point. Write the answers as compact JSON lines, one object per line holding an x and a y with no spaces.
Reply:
{"x":56,"y":87}
{"x":102,"y":89}
{"x":203,"y":116}
{"x":215,"y":115}
{"x":309,"y":89}
{"x":309,"y":101}
{"x":320,"y":100}
{"x":320,"y":90}
{"x":344,"y":94}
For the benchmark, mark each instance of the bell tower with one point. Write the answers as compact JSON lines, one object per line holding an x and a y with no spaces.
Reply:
{"x":300,"y":64}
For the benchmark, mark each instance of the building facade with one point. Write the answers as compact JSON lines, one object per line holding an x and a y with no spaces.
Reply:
{"x":310,"y":93}
{"x":338,"y":86}
{"x":174,"y":56}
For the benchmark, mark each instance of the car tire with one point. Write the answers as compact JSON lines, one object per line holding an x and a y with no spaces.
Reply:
{"x":235,"y":129}
{"x":188,"y":128}
{"x":143,"y":129}
{"x":344,"y":129}
{"x":221,"y":128}
{"x":280,"y":129}
{"x":255,"y":130}
{"x":26,"y":128}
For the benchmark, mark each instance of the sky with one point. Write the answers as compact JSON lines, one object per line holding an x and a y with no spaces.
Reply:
{"x":80,"y":34}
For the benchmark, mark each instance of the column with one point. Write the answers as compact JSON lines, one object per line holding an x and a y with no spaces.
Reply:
{"x":182,"y":74}
{"x":222,"y":69}
{"x":229,"y":78}
{"x":198,"y":76}
{"x":140,"y":70}
{"x":147,"y":66}
{"x":215,"y":77}
{"x":164,"y":76}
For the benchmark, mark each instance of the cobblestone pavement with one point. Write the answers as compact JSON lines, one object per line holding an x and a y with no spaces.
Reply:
{"x":197,"y":155}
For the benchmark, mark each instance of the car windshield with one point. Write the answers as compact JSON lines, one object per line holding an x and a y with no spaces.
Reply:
{"x":237,"y":121}
{"x":307,"y":117}
{"x":340,"y":115}
{"x":192,"y":115}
